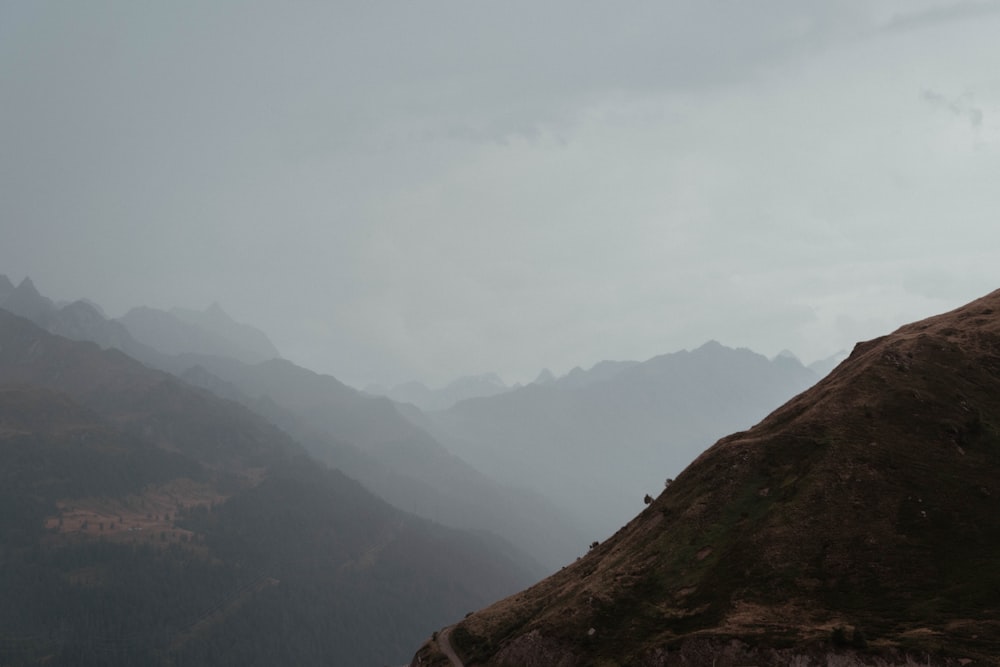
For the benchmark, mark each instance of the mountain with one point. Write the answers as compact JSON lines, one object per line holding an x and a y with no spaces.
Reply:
{"x":366,"y":437}
{"x":596,"y":442}
{"x":144,"y":521}
{"x":26,"y":301}
{"x":212,"y":332}
{"x":822,"y":367}
{"x":252,"y":343}
{"x":386,"y":447}
{"x":6,"y":287}
{"x":604,"y":370}
{"x":545,"y":377}
{"x":858,"y":524}
{"x":79,"y":320}
{"x":147,"y":334}
{"x":427,"y":399}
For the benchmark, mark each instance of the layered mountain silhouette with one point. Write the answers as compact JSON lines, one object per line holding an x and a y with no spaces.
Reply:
{"x":596,"y":442}
{"x":823,"y":366}
{"x":210,"y":332}
{"x":427,"y":399}
{"x":145,"y":521}
{"x":370,"y":439}
{"x":366,"y":437}
{"x":858,"y":524}
{"x":79,"y":320}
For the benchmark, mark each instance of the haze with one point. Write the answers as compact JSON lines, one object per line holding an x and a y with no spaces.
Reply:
{"x":399,"y":191}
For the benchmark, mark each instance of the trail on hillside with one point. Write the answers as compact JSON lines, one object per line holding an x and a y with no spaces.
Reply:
{"x":446,"y":648}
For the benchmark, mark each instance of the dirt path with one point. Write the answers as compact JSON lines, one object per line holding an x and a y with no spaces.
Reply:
{"x":446,"y":648}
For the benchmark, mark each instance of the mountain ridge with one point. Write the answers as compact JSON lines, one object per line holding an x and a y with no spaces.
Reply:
{"x":211,"y":332}
{"x":442,"y":398}
{"x":365,"y":436}
{"x":146,"y":521}
{"x":858,"y":522}
{"x":371,"y":439}
{"x":597,"y":441}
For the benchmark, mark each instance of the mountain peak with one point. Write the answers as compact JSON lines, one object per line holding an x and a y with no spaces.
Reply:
{"x":710,"y":346}
{"x":27,"y":287}
{"x":84,"y":308}
{"x":545,"y":377}
{"x":26,"y":301}
{"x":786,"y":354}
{"x":217,"y":333}
{"x":215,"y":310}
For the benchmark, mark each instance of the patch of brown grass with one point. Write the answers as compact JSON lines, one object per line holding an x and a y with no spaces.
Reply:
{"x":149,"y":517}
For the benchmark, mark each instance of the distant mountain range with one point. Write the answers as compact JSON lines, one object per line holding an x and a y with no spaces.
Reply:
{"x":418,"y":394}
{"x":530,"y":475}
{"x":210,"y":332}
{"x":370,"y":439}
{"x":366,"y":437}
{"x":490,"y":384}
{"x":79,"y":320}
{"x":596,"y":442}
{"x":858,"y":524}
{"x":547,"y":467}
{"x":147,"y":334}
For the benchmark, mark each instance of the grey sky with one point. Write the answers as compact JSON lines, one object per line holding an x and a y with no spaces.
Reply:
{"x":422,"y":190}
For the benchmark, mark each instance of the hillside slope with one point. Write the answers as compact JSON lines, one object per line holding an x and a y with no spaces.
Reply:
{"x":366,"y":437}
{"x":865,"y":511}
{"x":369,"y":439}
{"x":595,"y":442}
{"x":143,"y":521}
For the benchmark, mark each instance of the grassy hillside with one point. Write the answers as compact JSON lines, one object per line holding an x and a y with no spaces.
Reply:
{"x":861,"y":519}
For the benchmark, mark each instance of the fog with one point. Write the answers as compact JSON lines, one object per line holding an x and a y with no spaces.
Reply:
{"x":398,"y":191}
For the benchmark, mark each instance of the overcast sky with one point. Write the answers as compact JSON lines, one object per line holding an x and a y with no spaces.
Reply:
{"x":422,"y":190}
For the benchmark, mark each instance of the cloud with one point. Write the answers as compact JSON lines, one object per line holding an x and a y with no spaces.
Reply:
{"x":947,"y":12}
{"x":400,"y":190}
{"x":961,"y":106}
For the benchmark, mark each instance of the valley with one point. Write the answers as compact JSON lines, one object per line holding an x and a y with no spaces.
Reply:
{"x":500,"y":334}
{"x":856,"y":525}
{"x":198,"y":465}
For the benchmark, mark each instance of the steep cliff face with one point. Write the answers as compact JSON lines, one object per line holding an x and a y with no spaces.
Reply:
{"x":861,"y":520}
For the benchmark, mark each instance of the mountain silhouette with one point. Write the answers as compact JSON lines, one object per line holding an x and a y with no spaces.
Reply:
{"x":78,"y":320}
{"x":213,"y":332}
{"x":596,"y":442}
{"x":145,"y":521}
{"x":387,"y":447}
{"x":427,"y":399}
{"x":384,"y":445}
{"x":858,"y":524}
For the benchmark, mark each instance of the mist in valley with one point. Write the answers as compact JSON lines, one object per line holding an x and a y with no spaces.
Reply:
{"x":370,"y":316}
